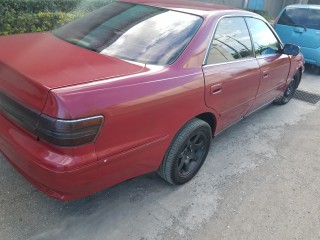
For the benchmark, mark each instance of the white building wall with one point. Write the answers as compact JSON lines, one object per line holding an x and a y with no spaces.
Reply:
{"x":232,"y":3}
{"x":272,"y":7}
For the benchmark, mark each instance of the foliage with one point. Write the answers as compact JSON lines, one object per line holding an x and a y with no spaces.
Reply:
{"x":32,"y":22}
{"x":22,"y":16}
{"x":262,"y":13}
{"x":35,"y":6}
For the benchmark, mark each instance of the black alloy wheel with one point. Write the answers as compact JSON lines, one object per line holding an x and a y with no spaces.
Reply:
{"x":291,"y":89}
{"x":192,"y":153}
{"x":186,"y":153}
{"x":288,"y":94}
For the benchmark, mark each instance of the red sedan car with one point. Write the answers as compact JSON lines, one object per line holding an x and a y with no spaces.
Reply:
{"x":134,"y":87}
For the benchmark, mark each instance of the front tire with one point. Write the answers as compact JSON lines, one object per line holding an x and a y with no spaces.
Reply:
{"x":288,"y":94}
{"x":186,"y":153}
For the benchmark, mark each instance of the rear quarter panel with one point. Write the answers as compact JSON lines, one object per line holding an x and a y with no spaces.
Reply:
{"x":143,"y":110}
{"x":139,"y":111}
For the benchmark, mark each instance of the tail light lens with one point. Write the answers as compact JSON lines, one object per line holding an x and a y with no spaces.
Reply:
{"x":17,"y":113}
{"x":60,"y":132}
{"x":68,"y":133}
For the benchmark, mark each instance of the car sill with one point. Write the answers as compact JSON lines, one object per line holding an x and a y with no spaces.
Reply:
{"x":245,"y":116}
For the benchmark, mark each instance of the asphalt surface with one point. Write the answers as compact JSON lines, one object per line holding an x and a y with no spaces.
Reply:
{"x":260,"y":181}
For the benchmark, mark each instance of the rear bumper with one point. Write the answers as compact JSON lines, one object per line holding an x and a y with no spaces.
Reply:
{"x":60,"y":174}
{"x":70,"y":173}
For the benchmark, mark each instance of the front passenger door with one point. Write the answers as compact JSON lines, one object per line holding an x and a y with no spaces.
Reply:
{"x":274,"y":65}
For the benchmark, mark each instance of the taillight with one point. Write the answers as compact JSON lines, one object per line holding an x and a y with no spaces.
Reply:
{"x":17,"y":113}
{"x":68,"y":133}
{"x":60,"y":132}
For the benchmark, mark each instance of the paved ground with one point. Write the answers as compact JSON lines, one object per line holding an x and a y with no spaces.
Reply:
{"x":260,"y":181}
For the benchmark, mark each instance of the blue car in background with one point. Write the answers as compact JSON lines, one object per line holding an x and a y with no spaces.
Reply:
{"x":300,"y":24}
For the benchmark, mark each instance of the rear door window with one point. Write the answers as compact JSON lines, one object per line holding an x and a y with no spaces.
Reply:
{"x":231,"y":41}
{"x":301,"y":17}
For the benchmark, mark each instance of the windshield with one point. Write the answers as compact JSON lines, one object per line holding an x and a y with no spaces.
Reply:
{"x":301,"y":17}
{"x":133,"y":32}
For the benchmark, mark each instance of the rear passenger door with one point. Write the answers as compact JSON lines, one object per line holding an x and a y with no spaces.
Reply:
{"x":274,"y":65}
{"x":231,"y":72}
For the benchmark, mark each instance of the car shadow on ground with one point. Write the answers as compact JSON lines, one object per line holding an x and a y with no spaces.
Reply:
{"x":312,"y":70}
{"x":145,"y":202}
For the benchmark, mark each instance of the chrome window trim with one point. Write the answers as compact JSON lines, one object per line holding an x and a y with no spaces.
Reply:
{"x":230,"y":62}
{"x":70,"y":121}
{"x":267,"y":55}
{"x":204,"y":62}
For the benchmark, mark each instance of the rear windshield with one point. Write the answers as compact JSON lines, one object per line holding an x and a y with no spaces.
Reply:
{"x":301,"y":17}
{"x":133,"y":32}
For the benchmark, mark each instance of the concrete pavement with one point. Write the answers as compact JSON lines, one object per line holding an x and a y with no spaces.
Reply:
{"x":260,"y":181}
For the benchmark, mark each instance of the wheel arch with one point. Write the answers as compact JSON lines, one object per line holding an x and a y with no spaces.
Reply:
{"x":209,"y":118}
{"x":300,"y":70}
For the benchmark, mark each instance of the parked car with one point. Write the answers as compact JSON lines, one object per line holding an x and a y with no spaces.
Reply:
{"x":300,"y":24}
{"x":135,"y":87}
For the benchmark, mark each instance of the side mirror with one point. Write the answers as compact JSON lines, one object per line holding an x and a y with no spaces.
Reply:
{"x":291,"y":49}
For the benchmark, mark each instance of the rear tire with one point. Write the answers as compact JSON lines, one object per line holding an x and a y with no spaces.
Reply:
{"x":186,"y":153}
{"x":288,"y":94}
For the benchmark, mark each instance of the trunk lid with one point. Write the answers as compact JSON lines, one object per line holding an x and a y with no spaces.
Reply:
{"x":32,"y":64}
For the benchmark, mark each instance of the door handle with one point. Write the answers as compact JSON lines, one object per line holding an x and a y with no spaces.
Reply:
{"x":300,"y":29}
{"x":217,"y":88}
{"x":265,"y":74}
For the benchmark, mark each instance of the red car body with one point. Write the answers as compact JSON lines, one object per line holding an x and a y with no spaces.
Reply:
{"x":143,"y":106}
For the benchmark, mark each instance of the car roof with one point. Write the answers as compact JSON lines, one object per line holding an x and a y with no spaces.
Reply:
{"x":309,"y":6}
{"x":198,"y":8}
